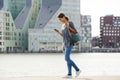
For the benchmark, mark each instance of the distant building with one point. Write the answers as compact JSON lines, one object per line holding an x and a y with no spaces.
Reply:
{"x":43,"y":37}
{"x":110,"y":31}
{"x":86,"y":32}
{"x":95,"y":41}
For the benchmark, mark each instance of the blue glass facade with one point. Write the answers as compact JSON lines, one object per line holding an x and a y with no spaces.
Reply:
{"x":14,"y":6}
{"x":47,"y":11}
{"x":1,"y":4}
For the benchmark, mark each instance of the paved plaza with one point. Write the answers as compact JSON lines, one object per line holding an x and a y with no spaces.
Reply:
{"x":94,"y":66}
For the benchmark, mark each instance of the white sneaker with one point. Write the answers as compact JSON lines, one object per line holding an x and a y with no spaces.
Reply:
{"x":78,"y":73}
{"x":68,"y":76}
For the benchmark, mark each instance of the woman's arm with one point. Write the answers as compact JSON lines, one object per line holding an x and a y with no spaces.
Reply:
{"x":58,"y":32}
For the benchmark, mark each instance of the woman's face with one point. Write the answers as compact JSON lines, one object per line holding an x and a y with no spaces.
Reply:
{"x":62,"y":20}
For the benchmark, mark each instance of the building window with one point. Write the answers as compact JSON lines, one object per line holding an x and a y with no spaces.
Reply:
{"x":0,"y":43}
{"x":19,"y":34}
{"x":0,"y":49}
{"x":7,"y":15}
{"x":15,"y":43}
{"x":12,"y":24}
{"x":7,"y":28}
{"x":7,"y":24}
{"x":0,"y":33}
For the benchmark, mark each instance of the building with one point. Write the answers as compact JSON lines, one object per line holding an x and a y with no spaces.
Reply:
{"x":14,"y":6}
{"x":86,"y":33}
{"x":43,"y":37}
{"x":95,"y":41}
{"x":14,"y":32}
{"x":110,"y":31}
{"x":6,"y":30}
{"x":1,"y":4}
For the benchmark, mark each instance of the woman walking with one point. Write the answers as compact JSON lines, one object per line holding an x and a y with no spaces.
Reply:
{"x":66,"y":27}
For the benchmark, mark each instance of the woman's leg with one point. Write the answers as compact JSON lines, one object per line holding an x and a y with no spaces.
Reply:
{"x":70,"y":63}
{"x":69,"y":68}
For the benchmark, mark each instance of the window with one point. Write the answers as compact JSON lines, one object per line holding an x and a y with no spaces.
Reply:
{"x":7,"y":28}
{"x":0,"y":33}
{"x":7,"y":15}
{"x":7,"y":24}
{"x":0,"y":43}
{"x":15,"y":43}
{"x":0,"y":49}
{"x":19,"y":34}
{"x":7,"y":38}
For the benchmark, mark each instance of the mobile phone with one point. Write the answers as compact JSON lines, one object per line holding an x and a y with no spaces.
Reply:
{"x":56,"y":30}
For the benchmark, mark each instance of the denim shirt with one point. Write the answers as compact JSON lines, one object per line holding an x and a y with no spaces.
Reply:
{"x":65,"y":34}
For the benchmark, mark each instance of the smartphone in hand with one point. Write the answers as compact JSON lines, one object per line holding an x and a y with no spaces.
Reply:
{"x":56,"y":30}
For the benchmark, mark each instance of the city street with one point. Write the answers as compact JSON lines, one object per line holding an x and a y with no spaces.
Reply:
{"x":53,"y":67}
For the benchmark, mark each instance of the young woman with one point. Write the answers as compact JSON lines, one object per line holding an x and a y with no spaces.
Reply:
{"x":67,"y":25}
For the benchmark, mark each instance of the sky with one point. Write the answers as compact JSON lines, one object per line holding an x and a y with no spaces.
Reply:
{"x":97,"y":8}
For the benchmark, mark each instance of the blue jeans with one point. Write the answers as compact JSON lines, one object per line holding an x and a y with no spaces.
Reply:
{"x":70,"y":63}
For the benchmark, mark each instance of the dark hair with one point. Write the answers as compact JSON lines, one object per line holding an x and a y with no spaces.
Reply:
{"x":61,"y":15}
{"x":67,"y":18}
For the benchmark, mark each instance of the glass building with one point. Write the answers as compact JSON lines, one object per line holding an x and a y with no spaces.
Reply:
{"x":86,"y":33}
{"x":7,"y":30}
{"x":14,"y":6}
{"x":43,"y":37}
{"x":14,"y":37}
{"x":1,"y":4}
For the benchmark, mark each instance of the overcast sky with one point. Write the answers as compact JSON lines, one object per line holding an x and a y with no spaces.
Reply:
{"x":97,"y":8}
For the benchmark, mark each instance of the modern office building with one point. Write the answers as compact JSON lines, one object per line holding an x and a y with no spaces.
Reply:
{"x":110,"y":31}
{"x":14,"y":6}
{"x":41,"y":17}
{"x":8,"y":40}
{"x":86,"y":33}
{"x":14,"y":33}
{"x":1,"y":4}
{"x":43,"y":37}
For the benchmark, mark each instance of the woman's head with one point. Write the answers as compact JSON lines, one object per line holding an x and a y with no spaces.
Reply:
{"x":62,"y":17}
{"x":67,"y":18}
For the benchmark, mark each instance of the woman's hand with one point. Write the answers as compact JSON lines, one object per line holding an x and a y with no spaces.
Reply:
{"x":56,"y":30}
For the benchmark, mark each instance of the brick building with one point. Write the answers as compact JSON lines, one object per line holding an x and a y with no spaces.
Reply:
{"x":110,"y":31}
